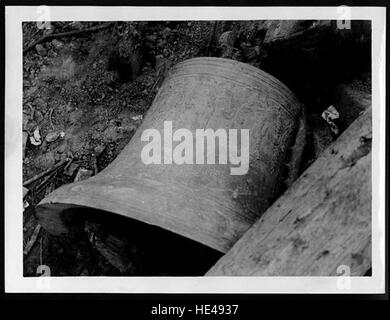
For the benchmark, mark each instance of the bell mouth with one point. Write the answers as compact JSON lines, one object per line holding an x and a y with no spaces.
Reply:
{"x":202,"y":216}
{"x":132,"y":247}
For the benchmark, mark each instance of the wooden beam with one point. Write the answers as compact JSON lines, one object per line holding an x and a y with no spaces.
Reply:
{"x":323,"y":221}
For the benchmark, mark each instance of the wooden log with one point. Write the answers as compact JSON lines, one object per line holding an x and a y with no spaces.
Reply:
{"x":321,"y":222}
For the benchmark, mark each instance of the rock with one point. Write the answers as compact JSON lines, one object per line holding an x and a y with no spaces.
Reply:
{"x":57,"y":44}
{"x":113,"y":133}
{"x":45,"y":161}
{"x":226,"y":43}
{"x":83,"y":174}
{"x":166,"y":32}
{"x":52,"y":136}
{"x":99,"y":150}
{"x":227,"y":39}
{"x":40,"y":50}
{"x":71,"y":169}
{"x":62,"y":147}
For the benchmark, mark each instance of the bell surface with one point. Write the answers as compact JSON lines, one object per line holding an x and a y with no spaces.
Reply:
{"x":203,"y":202}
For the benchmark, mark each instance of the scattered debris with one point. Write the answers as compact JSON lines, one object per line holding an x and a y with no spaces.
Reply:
{"x":35,"y":139}
{"x":46,"y":172}
{"x":46,"y":184}
{"x":137,"y":118}
{"x":32,"y":240}
{"x":50,"y":187}
{"x":330,"y":115}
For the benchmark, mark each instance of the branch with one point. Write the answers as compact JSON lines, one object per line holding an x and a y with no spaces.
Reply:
{"x":46,"y":172}
{"x":67,"y":34}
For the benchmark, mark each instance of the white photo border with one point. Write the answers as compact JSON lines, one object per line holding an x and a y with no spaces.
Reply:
{"x":14,"y":280}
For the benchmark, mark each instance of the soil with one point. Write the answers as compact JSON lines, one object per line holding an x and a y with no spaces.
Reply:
{"x":87,"y":88}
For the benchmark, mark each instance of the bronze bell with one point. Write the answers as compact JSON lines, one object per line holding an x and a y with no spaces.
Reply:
{"x":203,"y":202}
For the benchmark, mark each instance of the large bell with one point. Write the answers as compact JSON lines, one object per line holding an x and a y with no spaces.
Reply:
{"x":203,"y":202}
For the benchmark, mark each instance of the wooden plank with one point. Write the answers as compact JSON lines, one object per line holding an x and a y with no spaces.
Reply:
{"x":322,"y":222}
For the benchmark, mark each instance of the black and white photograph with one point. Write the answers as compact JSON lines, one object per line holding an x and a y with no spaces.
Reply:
{"x":165,"y":150}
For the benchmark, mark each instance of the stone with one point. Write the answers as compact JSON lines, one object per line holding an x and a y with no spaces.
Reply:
{"x":57,"y":44}
{"x":227,"y":38}
{"x":226,"y":43}
{"x":99,"y":150}
{"x":52,"y":136}
{"x":40,"y":50}
{"x":62,"y":147}
{"x":83,"y":174}
{"x":113,"y":133}
{"x":166,"y":32}
{"x":71,"y":169}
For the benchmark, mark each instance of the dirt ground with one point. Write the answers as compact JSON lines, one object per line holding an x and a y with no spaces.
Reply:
{"x":85,"y":95}
{"x":81,"y":91}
